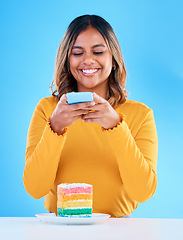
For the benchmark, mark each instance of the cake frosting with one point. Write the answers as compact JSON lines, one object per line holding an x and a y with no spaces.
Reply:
{"x":74,"y":200}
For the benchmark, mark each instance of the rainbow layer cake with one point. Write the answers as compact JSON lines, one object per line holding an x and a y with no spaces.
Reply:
{"x":74,"y":200}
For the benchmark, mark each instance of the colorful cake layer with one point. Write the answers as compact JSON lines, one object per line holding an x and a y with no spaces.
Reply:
{"x":74,"y":204}
{"x":72,"y":197}
{"x":80,"y":212}
{"x":74,"y":200}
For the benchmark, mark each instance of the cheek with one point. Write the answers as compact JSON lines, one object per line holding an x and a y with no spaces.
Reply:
{"x":73,"y":67}
{"x":108,"y":64}
{"x":107,"y":60}
{"x":72,"y":63}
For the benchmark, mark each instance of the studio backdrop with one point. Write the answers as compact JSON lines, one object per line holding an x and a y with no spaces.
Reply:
{"x":150,"y":34}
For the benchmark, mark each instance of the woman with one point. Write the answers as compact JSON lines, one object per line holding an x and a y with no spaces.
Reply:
{"x":110,"y":142}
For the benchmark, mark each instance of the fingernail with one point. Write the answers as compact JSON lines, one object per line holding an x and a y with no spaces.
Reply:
{"x":92,"y":103}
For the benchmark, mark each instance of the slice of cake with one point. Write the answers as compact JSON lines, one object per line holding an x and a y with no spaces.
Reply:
{"x":74,"y":200}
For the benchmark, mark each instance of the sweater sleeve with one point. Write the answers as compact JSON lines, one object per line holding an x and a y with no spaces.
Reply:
{"x":137,"y":157}
{"x":43,"y":153}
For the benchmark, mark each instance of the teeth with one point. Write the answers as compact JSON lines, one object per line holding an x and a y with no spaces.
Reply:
{"x":89,"y":70}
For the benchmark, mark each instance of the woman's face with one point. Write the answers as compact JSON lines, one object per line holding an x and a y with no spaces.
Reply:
{"x":91,"y":62}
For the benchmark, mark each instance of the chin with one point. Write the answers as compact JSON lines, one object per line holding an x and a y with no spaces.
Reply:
{"x":88,"y":86}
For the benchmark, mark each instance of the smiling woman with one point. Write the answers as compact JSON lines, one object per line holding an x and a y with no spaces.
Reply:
{"x":110,"y":142}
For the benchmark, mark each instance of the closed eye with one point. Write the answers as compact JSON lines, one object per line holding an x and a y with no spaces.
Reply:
{"x":97,"y":53}
{"x":77,"y":54}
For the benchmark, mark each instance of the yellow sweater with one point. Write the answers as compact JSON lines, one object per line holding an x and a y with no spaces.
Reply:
{"x":120,"y":163}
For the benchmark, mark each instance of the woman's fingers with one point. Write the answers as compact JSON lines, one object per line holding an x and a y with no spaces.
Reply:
{"x":81,"y":112}
{"x":78,"y":106}
{"x":63,"y":99}
{"x":92,"y":114}
{"x":97,"y":99}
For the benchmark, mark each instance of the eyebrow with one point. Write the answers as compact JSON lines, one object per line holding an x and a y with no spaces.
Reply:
{"x":94,"y":46}
{"x":98,"y":45}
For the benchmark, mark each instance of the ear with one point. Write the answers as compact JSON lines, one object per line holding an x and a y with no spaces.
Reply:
{"x":113,"y":63}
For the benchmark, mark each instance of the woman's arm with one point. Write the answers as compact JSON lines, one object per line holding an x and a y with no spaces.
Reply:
{"x":43,"y":152}
{"x":137,"y":157}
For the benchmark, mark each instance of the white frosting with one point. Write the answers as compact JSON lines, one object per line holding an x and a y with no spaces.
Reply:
{"x":71,"y":185}
{"x":80,"y":200}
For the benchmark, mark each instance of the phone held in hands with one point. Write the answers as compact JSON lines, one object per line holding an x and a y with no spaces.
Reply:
{"x":79,"y":97}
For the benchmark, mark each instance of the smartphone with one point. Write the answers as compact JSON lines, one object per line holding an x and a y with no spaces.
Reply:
{"x":79,"y":97}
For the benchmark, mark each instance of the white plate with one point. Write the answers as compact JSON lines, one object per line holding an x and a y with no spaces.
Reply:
{"x":52,"y":218}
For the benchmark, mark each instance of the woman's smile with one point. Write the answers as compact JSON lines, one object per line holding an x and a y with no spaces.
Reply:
{"x":89,"y":72}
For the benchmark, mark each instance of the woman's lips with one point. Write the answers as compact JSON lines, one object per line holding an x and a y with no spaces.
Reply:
{"x":89,"y":72}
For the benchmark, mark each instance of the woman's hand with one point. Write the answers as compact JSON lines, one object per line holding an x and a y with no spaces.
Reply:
{"x":65,"y":115}
{"x":102,"y":113}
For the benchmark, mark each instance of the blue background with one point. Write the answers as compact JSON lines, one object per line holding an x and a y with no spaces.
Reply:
{"x":150,"y":34}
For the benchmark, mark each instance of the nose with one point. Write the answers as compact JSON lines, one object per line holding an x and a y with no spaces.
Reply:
{"x":88,"y":58}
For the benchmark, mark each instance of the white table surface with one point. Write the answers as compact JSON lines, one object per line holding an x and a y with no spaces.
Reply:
{"x":30,"y":228}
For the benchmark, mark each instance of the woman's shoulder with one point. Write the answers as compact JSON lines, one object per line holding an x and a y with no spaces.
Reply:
{"x":135,"y":113}
{"x":47,"y":105}
{"x":48,"y":101}
{"x":132,"y":104}
{"x":133,"y":108}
